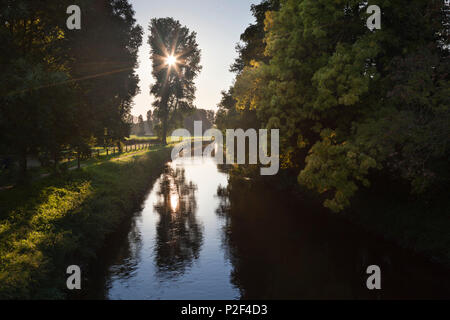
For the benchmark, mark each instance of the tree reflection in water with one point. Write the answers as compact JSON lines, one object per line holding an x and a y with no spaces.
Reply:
{"x":283,"y":248}
{"x":179,"y":234}
{"x":279,"y":252}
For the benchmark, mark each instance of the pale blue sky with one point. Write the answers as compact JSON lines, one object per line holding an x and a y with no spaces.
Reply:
{"x":218,"y":23}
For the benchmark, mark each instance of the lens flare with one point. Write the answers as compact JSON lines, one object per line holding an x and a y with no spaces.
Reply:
{"x":171,"y":60}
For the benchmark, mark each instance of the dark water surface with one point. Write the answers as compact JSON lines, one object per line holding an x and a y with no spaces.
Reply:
{"x":197,"y":239}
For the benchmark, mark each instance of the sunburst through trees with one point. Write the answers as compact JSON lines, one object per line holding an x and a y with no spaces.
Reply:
{"x":175,"y":58}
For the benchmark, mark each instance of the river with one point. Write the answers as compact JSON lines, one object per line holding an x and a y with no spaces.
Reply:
{"x":197,"y":239}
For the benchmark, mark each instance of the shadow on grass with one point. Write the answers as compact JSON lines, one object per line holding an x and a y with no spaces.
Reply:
{"x":62,"y":220}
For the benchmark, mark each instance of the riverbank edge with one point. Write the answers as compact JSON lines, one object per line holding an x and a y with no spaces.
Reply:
{"x":83,"y":209}
{"x":418,"y":226}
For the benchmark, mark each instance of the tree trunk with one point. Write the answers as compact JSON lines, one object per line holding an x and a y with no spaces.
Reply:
{"x":23,"y":164}
{"x":164,"y":102}
{"x":78,"y":160}
{"x":55,"y":161}
{"x":164,"y":131}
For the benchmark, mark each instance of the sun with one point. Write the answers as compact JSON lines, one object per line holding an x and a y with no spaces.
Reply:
{"x":171,"y":60}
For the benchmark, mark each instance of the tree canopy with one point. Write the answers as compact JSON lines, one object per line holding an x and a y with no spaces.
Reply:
{"x":60,"y":89}
{"x":350,"y":101}
{"x":176,"y":63}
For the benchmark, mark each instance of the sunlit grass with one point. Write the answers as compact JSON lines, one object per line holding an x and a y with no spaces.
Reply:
{"x":155,"y":138}
{"x":143,"y":138}
{"x":57,"y":221}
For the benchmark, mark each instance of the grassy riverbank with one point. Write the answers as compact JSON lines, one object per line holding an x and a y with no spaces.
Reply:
{"x":58,"y":221}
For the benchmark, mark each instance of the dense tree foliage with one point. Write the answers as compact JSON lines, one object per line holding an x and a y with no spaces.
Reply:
{"x":250,"y":49}
{"x":349,"y":100}
{"x":252,"y":44}
{"x":176,"y":63}
{"x":104,"y":57}
{"x":63,"y":89}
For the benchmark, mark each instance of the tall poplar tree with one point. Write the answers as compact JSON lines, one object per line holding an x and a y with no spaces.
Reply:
{"x":175,"y":59}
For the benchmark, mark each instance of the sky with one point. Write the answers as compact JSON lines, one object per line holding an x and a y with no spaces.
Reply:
{"x":218,"y":23}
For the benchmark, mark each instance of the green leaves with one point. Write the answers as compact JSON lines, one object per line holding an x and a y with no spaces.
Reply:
{"x":335,"y":169}
{"x":348,"y":100}
{"x":174,"y":86}
{"x":60,"y":88}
